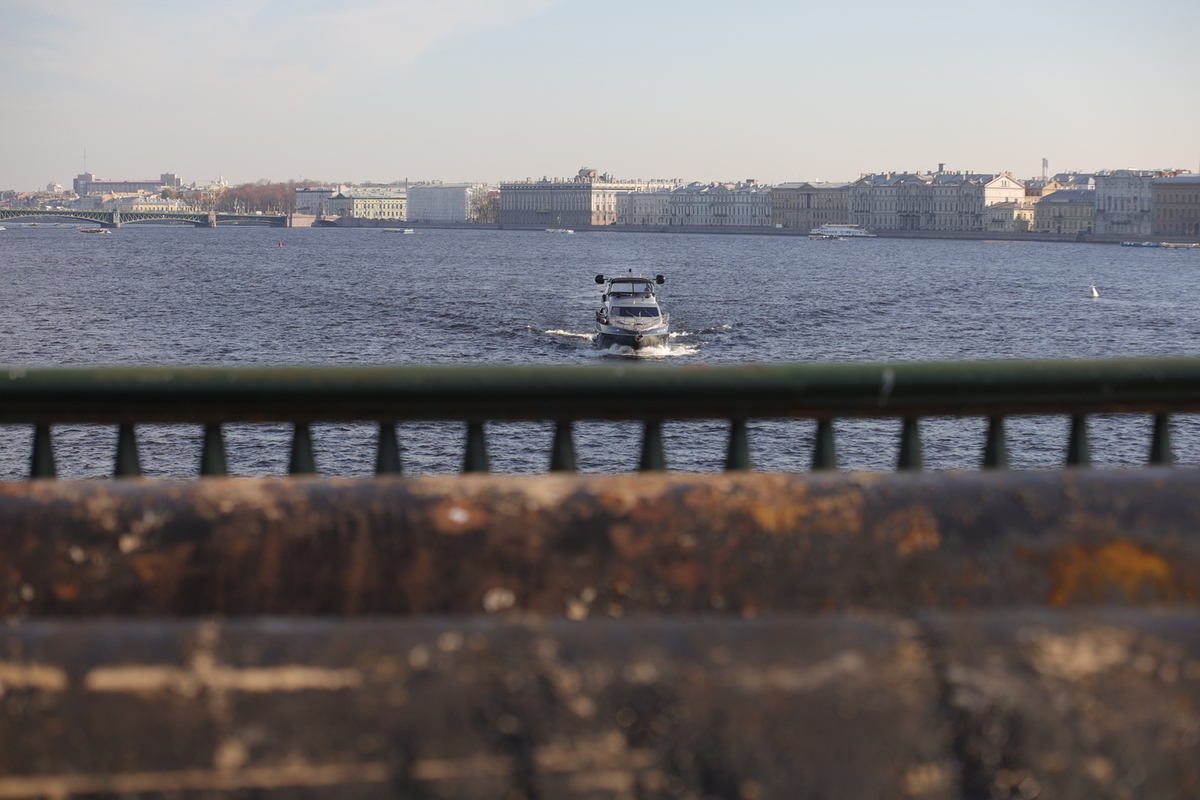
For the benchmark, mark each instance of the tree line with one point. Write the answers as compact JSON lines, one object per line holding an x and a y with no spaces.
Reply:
{"x":262,"y":196}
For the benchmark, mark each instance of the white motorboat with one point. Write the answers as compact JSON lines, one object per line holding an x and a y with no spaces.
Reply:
{"x":630,"y":315}
{"x":840,"y":232}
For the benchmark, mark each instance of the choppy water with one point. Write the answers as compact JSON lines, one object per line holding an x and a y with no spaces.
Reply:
{"x":180,"y":295}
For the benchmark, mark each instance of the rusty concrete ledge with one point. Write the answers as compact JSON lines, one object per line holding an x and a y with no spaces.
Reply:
{"x":1064,"y":704}
{"x":739,"y":543}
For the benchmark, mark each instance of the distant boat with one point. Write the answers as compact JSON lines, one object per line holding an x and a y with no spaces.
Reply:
{"x":94,"y":230}
{"x":1094,"y":292}
{"x":559,"y":230}
{"x":408,"y":230}
{"x":839,"y":232}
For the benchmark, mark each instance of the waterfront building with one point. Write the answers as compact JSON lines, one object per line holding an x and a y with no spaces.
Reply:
{"x":369,"y":202}
{"x":129,"y":201}
{"x":589,"y":198}
{"x":1063,"y":181}
{"x":644,"y":208}
{"x":314,"y":200}
{"x":873,"y":199}
{"x":1065,"y":211}
{"x":804,"y":206}
{"x":720,"y":205}
{"x":1176,"y":205}
{"x":13,"y":199}
{"x":1009,"y":217}
{"x":938,"y":201}
{"x":1123,"y":200}
{"x":86,"y":183}
{"x":447,"y":202}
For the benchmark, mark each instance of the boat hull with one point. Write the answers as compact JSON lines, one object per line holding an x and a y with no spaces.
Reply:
{"x":637,"y":340}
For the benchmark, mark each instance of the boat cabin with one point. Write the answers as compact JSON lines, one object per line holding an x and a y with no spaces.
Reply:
{"x":631,"y":287}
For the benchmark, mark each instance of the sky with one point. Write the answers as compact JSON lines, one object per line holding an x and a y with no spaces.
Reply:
{"x":496,"y":90}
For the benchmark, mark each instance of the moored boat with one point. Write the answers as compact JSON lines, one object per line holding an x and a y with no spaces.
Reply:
{"x":840,"y":232}
{"x":630,"y":315}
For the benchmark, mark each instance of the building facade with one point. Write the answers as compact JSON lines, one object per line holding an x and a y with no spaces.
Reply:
{"x":939,"y":201}
{"x":644,"y":208}
{"x":721,"y":205}
{"x":1009,"y":217}
{"x":369,"y":203}
{"x":86,"y":183}
{"x":1123,"y":202}
{"x":804,"y":206}
{"x":1176,"y":205}
{"x":446,"y":202}
{"x":315,"y":199}
{"x":587,"y":199}
{"x":1065,"y":211}
{"x":130,"y":201}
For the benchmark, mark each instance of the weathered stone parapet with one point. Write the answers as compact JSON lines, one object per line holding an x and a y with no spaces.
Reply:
{"x":1064,"y":704}
{"x":733,"y":543}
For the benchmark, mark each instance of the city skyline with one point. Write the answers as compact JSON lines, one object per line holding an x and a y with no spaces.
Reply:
{"x":472,"y":90}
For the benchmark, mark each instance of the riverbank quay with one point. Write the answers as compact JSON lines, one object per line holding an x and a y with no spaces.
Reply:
{"x":654,"y":634}
{"x":1005,"y":236}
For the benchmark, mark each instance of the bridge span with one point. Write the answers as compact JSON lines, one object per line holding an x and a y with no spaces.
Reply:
{"x":117,"y":218}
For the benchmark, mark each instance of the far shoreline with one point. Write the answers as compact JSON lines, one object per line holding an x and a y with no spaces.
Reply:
{"x":1002,"y":236}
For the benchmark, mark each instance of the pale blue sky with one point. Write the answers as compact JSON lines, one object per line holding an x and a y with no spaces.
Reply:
{"x":494,"y":90}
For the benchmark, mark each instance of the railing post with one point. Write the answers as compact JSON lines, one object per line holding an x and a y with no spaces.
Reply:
{"x":212,"y":452}
{"x":995,"y":449}
{"x":475,"y":459}
{"x":128,"y":464}
{"x":653,"y":457}
{"x":910,"y":446}
{"x":824,"y":449}
{"x":387,"y":453}
{"x":303,"y":460}
{"x":737,"y":456}
{"x":562,"y":452}
{"x":1161,"y":452}
{"x":1079,"y":451}
{"x":41,"y":463}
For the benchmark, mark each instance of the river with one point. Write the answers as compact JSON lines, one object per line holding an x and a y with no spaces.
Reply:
{"x":173,"y":295}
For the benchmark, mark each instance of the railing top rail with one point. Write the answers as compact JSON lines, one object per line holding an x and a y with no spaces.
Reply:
{"x":617,"y":391}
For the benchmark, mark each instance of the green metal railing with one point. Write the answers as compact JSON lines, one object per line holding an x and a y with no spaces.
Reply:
{"x":649,"y":393}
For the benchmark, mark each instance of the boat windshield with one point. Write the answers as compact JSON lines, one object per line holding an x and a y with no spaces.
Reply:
{"x":629,"y":287}
{"x":635,"y":311}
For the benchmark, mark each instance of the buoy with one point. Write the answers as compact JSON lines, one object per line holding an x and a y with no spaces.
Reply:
{"x":280,"y":244}
{"x":1094,"y":292}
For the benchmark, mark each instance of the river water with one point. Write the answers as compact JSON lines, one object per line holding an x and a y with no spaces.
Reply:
{"x":168,"y":295}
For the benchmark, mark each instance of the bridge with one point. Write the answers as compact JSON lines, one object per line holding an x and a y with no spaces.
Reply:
{"x":117,"y":218}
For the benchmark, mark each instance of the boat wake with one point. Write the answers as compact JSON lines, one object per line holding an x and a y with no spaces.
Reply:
{"x":569,"y":334}
{"x":665,"y":351}
{"x":671,"y":349}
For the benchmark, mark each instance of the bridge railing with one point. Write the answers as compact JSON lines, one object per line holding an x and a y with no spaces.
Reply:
{"x":648,"y":393}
